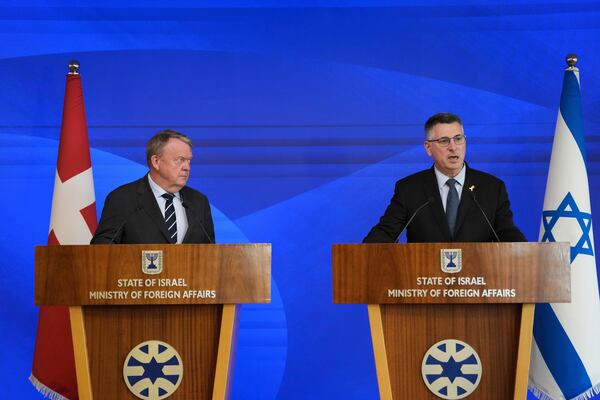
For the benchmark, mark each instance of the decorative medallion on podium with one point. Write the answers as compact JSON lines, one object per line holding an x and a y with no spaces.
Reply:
{"x":152,"y":262}
{"x":451,"y":369}
{"x":153,"y":370}
{"x":451,"y":260}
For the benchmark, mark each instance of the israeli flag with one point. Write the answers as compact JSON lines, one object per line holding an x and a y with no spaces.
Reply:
{"x":565,"y":356}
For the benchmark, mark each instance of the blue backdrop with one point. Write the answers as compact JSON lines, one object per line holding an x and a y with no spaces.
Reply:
{"x":303,"y":114}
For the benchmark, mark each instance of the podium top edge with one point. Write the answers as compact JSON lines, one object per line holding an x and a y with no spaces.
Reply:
{"x":155,"y":244}
{"x":452,"y":244}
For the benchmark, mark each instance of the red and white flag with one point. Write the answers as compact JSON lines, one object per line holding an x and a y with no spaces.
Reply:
{"x":72,"y":221}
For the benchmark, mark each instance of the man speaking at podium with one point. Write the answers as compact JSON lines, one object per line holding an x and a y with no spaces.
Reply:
{"x":450,"y":202}
{"x":158,"y":208}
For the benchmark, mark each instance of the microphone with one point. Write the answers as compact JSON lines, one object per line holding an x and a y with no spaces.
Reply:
{"x":113,"y":239}
{"x":119,"y":231}
{"x":429,"y":200}
{"x":187,"y":207}
{"x":472,"y":191}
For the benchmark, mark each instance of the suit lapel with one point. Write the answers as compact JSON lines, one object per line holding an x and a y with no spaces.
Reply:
{"x":437,"y":208}
{"x":466,"y":201}
{"x":189,"y":213}
{"x":151,"y":208}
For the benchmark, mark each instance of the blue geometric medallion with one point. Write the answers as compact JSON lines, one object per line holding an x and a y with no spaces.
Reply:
{"x":153,"y":370}
{"x":451,"y":369}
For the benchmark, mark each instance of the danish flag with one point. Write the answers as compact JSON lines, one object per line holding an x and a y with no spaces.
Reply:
{"x":72,"y":221}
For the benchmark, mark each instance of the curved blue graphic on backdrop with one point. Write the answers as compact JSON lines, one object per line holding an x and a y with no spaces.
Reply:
{"x":303,"y":114}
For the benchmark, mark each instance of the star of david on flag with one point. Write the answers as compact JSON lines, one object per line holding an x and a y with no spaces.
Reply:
{"x":565,"y":355}
{"x":568,"y":209}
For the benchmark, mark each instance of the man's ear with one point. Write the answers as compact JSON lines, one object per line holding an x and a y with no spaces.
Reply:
{"x":154,"y":161}
{"x":427,"y":146}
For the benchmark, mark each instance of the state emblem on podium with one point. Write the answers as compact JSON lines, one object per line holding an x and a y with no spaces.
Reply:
{"x":152,"y":262}
{"x":451,"y":260}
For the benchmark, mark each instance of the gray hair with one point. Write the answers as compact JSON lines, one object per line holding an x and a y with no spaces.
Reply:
{"x":157,"y":143}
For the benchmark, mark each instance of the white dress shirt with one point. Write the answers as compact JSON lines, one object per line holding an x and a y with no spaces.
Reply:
{"x":444,"y":189}
{"x":180,"y":215}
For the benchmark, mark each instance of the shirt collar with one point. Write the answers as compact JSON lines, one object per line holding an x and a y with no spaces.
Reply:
{"x":157,"y":190}
{"x":441,"y":178}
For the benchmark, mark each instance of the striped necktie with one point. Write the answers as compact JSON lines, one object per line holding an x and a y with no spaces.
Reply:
{"x":170,"y":218}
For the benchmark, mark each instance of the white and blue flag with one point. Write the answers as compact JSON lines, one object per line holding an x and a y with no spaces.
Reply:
{"x":565,"y":356}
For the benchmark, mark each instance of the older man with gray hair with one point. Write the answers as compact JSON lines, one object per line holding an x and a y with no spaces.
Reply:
{"x":158,"y":208}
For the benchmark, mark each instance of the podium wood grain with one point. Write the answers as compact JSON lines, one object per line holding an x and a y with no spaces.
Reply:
{"x":192,"y":331}
{"x":404,"y":328}
{"x":492,"y":331}
{"x":202,"y":330}
{"x":67,"y":274}
{"x":539,"y":272}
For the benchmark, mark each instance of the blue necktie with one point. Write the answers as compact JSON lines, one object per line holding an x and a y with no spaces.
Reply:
{"x":451,"y":205}
{"x":170,"y":218}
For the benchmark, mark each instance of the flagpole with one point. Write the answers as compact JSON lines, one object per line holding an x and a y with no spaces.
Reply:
{"x":73,"y":220}
{"x":565,"y":356}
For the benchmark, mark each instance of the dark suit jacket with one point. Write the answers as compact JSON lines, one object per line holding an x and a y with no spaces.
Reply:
{"x":430,"y":224}
{"x":131,"y":215}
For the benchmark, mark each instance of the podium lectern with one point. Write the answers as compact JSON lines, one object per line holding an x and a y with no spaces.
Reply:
{"x":480,"y":294}
{"x":153,"y":321}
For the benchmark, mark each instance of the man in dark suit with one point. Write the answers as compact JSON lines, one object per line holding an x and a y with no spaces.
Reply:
{"x":158,"y":208}
{"x":444,"y":199}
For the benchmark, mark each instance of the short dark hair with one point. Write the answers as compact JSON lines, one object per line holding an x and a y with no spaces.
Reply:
{"x":440,"y":118}
{"x":157,"y":143}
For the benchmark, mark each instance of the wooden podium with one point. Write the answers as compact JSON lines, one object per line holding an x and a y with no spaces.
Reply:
{"x":184,"y":296}
{"x":485,"y":299}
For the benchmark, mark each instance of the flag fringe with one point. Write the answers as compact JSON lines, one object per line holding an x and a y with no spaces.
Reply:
{"x":539,"y":393}
{"x":588,"y":394}
{"x":45,"y":390}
